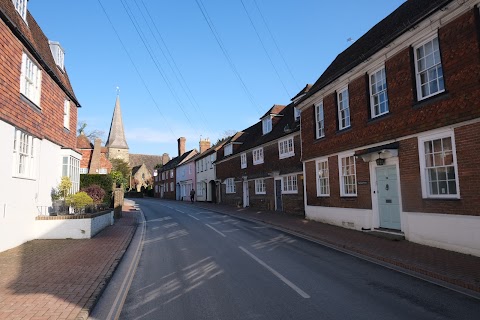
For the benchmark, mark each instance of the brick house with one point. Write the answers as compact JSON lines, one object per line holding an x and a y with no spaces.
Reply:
{"x":94,"y":156}
{"x":38,"y":118}
{"x":165,"y":182}
{"x":390,"y":129}
{"x":260,"y":166}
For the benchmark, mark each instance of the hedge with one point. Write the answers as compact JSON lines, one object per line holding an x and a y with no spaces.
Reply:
{"x":105,"y":181}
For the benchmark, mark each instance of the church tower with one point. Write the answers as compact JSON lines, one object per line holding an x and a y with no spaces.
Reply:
{"x":116,"y":142}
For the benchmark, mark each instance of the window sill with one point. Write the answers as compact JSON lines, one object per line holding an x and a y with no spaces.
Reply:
{"x":260,"y":193}
{"x":256,"y":163}
{"x":432,"y":99}
{"x":286,"y":156}
{"x":323,"y":195}
{"x":290,"y":192}
{"x":24,"y":178}
{"x":32,"y":104}
{"x":452,"y":198}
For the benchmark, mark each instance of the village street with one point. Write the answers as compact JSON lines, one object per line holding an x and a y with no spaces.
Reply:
{"x":198,"y":264}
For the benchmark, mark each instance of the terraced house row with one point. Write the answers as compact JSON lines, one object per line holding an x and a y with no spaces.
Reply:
{"x":386,"y":139}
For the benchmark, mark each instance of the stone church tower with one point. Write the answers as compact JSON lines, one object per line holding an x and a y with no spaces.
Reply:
{"x":116,"y":143}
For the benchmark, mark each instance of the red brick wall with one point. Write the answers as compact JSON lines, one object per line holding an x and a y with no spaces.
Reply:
{"x":363,"y":200}
{"x":231,"y":168}
{"x":44,"y":123}
{"x":459,"y":46}
{"x":466,"y":140}
{"x":461,"y":64}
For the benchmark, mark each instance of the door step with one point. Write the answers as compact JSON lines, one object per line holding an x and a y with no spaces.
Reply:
{"x":389,"y":234}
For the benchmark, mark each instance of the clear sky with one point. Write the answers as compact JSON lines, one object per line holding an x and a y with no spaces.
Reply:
{"x":174,"y":77}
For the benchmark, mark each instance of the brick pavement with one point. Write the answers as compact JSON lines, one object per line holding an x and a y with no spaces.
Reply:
{"x":455,"y":268}
{"x":61,"y":279}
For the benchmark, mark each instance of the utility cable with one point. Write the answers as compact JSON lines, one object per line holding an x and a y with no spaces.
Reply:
{"x":136,"y":69}
{"x":225,"y":53}
{"x":265,"y":49}
{"x":276,"y":45}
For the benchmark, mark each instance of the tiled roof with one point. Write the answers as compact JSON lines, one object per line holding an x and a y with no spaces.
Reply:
{"x":405,"y":17}
{"x":253,"y":136}
{"x":37,"y":43}
{"x":178,"y":160}
{"x":150,"y":161}
{"x":83,"y":142}
{"x":302,"y":92}
{"x":276,"y":109}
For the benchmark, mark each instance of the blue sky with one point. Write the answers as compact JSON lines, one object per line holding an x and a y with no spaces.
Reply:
{"x":180,"y":83}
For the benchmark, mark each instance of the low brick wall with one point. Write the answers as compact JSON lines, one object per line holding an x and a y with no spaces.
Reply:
{"x":83,"y":226}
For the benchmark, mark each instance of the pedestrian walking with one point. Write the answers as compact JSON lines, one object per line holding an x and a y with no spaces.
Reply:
{"x":192,"y":195}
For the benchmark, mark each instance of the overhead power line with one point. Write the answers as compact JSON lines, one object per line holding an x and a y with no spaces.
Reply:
{"x":265,"y":49}
{"x":155,"y":62}
{"x":136,"y":69}
{"x":225,"y":53}
{"x":276,"y":45}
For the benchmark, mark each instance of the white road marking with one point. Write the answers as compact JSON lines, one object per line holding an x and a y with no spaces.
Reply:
{"x":179,"y":211}
{"x":278,"y":275}
{"x":159,"y":219}
{"x":215,"y":230}
{"x":259,"y":227}
{"x":155,"y":228}
{"x":193,"y":217}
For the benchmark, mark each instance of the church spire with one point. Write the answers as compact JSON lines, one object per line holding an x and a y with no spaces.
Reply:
{"x":116,"y":136}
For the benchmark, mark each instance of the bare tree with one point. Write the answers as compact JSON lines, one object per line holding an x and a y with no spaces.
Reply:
{"x":91,"y":135}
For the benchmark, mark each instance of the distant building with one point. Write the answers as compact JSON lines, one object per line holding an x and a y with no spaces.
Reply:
{"x":94,"y":156}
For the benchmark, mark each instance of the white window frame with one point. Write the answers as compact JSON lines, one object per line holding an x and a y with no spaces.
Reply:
{"x":376,"y":78}
{"x":71,"y":169}
{"x":102,"y":171}
{"x":243,"y":160}
{"x":437,"y":64}
{"x":342,"y":175}
{"x":297,"y":113}
{"x":21,"y":7}
{"x":171,"y":173}
{"x":319,"y":121}
{"x":24,"y":155}
{"x":172,"y":186}
{"x":66,"y":114}
{"x":212,"y":160}
{"x":267,"y":124}
{"x":426,"y":194}
{"x":228,"y":150}
{"x":30,"y":80}
{"x":83,"y":170}
{"x":343,"y":107}
{"x":289,"y":184}
{"x":323,"y":177}
{"x":286,"y":148}
{"x":260,"y":186}
{"x":230,"y":186}
{"x":257,"y":156}
{"x":199,"y":188}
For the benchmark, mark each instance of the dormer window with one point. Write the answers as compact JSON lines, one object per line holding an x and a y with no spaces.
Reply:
{"x":58,"y":54}
{"x":267,"y":124}
{"x":21,"y":7}
{"x":228,"y":150}
{"x":296,"y":113}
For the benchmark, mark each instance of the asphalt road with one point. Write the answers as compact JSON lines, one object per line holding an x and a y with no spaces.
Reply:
{"x":197,"y":264}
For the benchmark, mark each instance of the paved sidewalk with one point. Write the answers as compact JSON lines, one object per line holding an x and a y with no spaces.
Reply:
{"x":454,"y":268}
{"x":61,"y":279}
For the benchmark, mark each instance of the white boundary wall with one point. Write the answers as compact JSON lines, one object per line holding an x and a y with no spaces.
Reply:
{"x":458,"y":233}
{"x":58,"y":228}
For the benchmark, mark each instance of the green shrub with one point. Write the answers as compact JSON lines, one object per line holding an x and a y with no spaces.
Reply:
{"x":79,"y":201}
{"x":104,"y":181}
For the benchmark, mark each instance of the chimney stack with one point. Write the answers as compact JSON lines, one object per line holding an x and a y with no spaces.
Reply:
{"x":204,"y":145}
{"x":96,"y":154}
{"x":181,"y":145}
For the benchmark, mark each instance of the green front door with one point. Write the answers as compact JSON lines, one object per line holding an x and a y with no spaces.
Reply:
{"x":388,"y":198}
